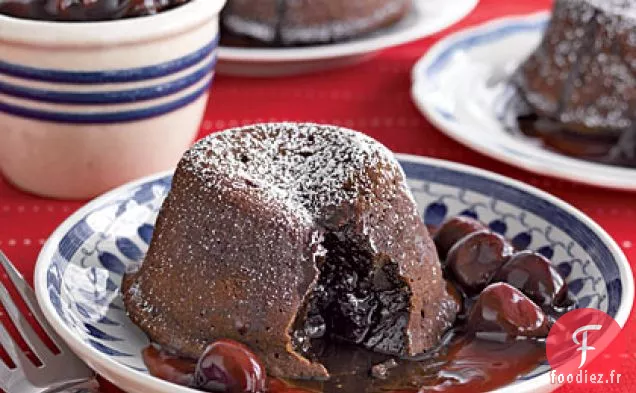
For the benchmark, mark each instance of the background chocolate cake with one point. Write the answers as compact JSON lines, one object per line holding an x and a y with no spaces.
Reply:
{"x":285,"y":235}
{"x":294,"y":22}
{"x":583,"y":75}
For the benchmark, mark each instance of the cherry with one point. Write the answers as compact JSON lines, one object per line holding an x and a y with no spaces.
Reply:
{"x":502,"y":312}
{"x":476,"y":258}
{"x":532,"y":274}
{"x":231,"y":367}
{"x":453,"y":231}
{"x":169,"y":368}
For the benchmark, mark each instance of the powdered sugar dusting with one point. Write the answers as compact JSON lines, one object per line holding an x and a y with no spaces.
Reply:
{"x":303,"y":21}
{"x":253,"y":216}
{"x":625,"y":8}
{"x":341,"y":29}
{"x":584,"y":72}
{"x":308,"y":165}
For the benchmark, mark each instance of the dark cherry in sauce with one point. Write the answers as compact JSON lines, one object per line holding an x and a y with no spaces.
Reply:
{"x":225,"y":366}
{"x":230,"y":367}
{"x":503,"y":313}
{"x":474,"y":259}
{"x":508,"y":302}
{"x":453,"y":231}
{"x":84,"y":10}
{"x":533,"y":274}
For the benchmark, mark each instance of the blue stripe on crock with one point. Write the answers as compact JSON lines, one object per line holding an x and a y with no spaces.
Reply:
{"x":109,"y":97}
{"x":105,"y":117}
{"x":111,"y":76}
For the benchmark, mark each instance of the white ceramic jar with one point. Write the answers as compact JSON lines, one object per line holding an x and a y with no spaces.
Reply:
{"x":86,"y":106}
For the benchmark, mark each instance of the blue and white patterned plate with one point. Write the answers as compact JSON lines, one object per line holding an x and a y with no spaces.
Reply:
{"x":79,"y":271}
{"x":460,"y":86}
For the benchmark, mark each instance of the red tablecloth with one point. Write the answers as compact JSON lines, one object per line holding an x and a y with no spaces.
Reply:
{"x":372,"y":97}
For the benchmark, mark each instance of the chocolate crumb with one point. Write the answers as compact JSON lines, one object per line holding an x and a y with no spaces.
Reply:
{"x":381,"y":370}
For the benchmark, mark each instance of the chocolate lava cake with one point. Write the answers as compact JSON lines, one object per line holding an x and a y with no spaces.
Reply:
{"x":298,"y":22}
{"x":284,"y":236}
{"x":583,"y":75}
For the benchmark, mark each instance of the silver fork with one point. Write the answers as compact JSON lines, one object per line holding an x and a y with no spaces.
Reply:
{"x":63,"y":372}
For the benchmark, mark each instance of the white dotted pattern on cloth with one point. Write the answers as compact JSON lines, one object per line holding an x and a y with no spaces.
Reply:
{"x":26,"y":242}
{"x":33,"y":208}
{"x":310,"y":94}
{"x":374,"y":122}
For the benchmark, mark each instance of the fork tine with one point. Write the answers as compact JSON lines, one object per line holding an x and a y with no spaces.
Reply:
{"x":27,"y":332}
{"x":27,"y":294}
{"x":14,"y":351}
{"x":5,"y":373}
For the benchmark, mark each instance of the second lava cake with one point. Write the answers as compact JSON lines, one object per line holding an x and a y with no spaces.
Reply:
{"x":284,"y":235}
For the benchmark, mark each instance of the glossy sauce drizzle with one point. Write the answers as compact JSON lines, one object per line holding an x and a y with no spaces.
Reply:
{"x":604,"y":147}
{"x":465,"y":365}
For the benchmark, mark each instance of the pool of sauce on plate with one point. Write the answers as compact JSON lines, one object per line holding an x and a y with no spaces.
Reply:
{"x":463,"y":364}
{"x":611,"y":148}
{"x":84,"y":10}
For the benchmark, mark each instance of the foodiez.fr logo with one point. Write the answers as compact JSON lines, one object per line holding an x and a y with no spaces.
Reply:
{"x":576,"y":341}
{"x":583,"y":344}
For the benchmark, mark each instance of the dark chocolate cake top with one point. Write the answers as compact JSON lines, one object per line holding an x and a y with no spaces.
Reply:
{"x":285,"y":233}
{"x":308,"y":165}
{"x":584,"y":72}
{"x":316,"y":21}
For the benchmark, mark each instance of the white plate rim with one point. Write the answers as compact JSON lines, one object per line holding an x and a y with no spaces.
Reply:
{"x":457,"y":10}
{"x":515,"y":152}
{"x":118,"y":373}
